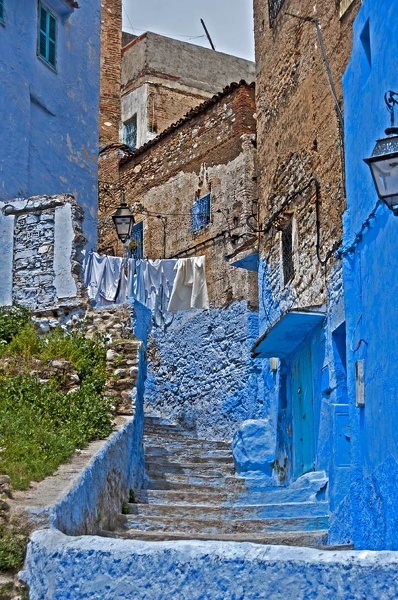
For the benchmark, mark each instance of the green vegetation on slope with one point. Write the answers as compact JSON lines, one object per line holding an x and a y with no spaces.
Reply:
{"x":42,"y":422}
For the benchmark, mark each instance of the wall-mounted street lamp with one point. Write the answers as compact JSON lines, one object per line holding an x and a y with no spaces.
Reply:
{"x":123,"y":219}
{"x":384,"y":160}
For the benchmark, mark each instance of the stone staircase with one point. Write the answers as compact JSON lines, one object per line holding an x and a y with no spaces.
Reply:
{"x":192,"y":493}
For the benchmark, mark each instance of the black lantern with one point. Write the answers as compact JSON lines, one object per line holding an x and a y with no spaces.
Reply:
{"x":124,"y":221}
{"x":384,"y":160}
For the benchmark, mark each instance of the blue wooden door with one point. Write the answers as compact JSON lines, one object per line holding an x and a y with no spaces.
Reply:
{"x":303,"y":414}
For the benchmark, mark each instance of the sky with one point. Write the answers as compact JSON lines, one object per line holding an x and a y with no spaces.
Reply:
{"x":229,"y":22}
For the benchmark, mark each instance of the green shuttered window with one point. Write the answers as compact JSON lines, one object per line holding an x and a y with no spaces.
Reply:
{"x":47,"y":36}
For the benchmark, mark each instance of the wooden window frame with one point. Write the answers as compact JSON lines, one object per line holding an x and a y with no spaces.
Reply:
{"x":49,"y":37}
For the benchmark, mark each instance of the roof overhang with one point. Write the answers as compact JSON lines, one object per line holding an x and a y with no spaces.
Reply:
{"x":288,"y":332}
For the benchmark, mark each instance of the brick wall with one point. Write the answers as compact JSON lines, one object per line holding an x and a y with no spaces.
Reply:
{"x":299,"y":137}
{"x":111,"y":43}
{"x":211,"y":151}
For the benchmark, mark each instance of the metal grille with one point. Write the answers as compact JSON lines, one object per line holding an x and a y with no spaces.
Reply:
{"x":287,"y":252}
{"x":200,"y":213}
{"x":274,"y":7}
{"x":136,"y":243}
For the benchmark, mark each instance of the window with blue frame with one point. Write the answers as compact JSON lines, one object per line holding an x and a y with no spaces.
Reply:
{"x":200,"y":213}
{"x":130,"y":132}
{"x":136,"y":243}
{"x":47,"y":36}
{"x":2,"y":19}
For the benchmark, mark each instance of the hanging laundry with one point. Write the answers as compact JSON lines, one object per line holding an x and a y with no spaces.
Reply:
{"x":190,"y":288}
{"x":93,"y":271}
{"x":110,"y":281}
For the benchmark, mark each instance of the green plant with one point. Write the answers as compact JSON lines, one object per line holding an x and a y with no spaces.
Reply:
{"x":41,"y":424}
{"x":12,"y":549}
{"x":132,"y":498}
{"x":12,"y":319}
{"x":125,"y":508}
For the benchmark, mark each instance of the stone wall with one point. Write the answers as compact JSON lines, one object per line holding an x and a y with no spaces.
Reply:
{"x":299,"y":137}
{"x":111,"y":46}
{"x":210,"y":151}
{"x":42,"y":245}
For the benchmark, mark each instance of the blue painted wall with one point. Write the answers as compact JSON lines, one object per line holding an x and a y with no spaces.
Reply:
{"x":369,"y":514}
{"x":59,"y":567}
{"x":328,"y":379}
{"x":49,"y":119}
{"x":200,"y":372}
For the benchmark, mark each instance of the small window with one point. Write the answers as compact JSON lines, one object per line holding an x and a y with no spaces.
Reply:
{"x":200,"y":213}
{"x":2,"y":18}
{"x":136,"y":243}
{"x":47,"y":36}
{"x":287,"y":252}
{"x":130,"y":132}
{"x":274,"y":7}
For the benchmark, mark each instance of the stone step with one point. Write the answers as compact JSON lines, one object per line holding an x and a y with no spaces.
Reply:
{"x":208,"y":511}
{"x":156,"y":469}
{"x":215,"y":526}
{"x":296,"y":538}
{"x":180,"y":496}
{"x":172,"y":481}
{"x":168,"y":441}
{"x":194,"y":456}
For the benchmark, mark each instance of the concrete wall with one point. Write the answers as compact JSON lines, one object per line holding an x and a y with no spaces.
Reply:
{"x":195,"y":67}
{"x":49,"y":128}
{"x":175,"y":77}
{"x":58,"y":566}
{"x":370,"y":262}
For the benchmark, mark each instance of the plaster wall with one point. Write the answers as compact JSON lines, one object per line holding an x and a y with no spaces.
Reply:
{"x":370,"y":263}
{"x":58,"y":566}
{"x":49,"y":128}
{"x":135,"y":102}
{"x":200,"y":372}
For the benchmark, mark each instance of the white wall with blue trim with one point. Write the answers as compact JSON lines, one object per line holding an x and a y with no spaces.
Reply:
{"x":49,"y":104}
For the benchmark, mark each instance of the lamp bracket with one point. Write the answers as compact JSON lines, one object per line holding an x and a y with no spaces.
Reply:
{"x":391,"y":99}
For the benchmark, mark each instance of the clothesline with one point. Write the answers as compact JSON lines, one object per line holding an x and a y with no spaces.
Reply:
{"x":161,"y":285}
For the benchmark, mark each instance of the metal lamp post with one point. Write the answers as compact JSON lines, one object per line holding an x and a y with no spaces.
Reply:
{"x":123,"y":219}
{"x":384,"y":160}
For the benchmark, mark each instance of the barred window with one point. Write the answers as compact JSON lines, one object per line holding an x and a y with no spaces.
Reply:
{"x":130,"y":132}
{"x":200,"y":213}
{"x":274,"y":7}
{"x":136,"y":243}
{"x":47,"y":36}
{"x":287,"y":252}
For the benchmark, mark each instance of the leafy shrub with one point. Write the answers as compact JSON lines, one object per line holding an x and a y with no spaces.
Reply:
{"x":12,"y":319}
{"x":12,"y":550}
